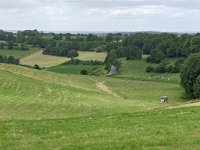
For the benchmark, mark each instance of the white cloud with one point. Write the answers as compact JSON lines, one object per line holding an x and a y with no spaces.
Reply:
{"x":122,"y":15}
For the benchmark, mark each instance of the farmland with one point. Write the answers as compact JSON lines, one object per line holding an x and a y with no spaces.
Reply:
{"x":18,"y":53}
{"x":71,"y":112}
{"x":67,"y":101}
{"x":48,"y":61}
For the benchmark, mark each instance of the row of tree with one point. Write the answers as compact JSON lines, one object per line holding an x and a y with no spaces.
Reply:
{"x":9,"y":60}
{"x":166,"y":68}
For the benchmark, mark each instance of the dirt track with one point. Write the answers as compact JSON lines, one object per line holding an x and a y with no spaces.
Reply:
{"x":104,"y":88}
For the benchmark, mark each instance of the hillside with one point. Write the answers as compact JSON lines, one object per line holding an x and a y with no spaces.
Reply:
{"x":85,"y":112}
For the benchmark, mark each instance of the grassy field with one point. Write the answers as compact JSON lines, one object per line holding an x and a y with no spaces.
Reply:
{"x":136,"y":70}
{"x":49,"y":61}
{"x":76,"y":69}
{"x":43,"y":60}
{"x":45,"y":110}
{"x":83,"y":55}
{"x":18,"y":53}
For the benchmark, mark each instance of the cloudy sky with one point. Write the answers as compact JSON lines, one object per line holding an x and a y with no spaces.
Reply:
{"x":101,"y":15}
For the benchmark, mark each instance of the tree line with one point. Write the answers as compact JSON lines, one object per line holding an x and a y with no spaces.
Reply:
{"x":117,"y":45}
{"x":9,"y":60}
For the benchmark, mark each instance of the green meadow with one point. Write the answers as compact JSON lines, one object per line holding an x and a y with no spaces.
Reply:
{"x":47,"y":110}
{"x":18,"y":53}
{"x":76,"y":69}
{"x":57,"y":108}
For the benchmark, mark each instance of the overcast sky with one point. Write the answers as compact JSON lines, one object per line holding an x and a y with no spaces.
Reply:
{"x":101,"y":15}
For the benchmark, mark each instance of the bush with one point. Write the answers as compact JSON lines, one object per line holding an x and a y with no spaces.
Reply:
{"x":170,"y":69}
{"x":149,"y":69}
{"x":36,"y":66}
{"x":160,"y":68}
{"x":72,"y":53}
{"x":83,"y":72}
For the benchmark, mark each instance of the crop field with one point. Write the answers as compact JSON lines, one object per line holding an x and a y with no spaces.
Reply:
{"x":18,"y":53}
{"x":83,"y":55}
{"x":46,"y":110}
{"x":43,"y":60}
{"x":49,"y":61}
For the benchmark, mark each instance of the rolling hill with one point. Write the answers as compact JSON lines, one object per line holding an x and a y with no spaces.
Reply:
{"x":41,"y":109}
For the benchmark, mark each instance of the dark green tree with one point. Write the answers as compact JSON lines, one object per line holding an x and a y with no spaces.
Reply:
{"x":190,"y":73}
{"x":197,"y":87}
{"x":10,"y":45}
{"x":83,"y":72}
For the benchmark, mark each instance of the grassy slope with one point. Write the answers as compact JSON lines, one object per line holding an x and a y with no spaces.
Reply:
{"x":44,"y":110}
{"x":136,"y":70}
{"x":18,"y":53}
{"x":159,"y":129}
{"x":48,"y":61}
{"x":76,"y":69}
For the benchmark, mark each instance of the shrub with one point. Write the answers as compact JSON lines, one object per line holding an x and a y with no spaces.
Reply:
{"x":149,"y":69}
{"x":36,"y":66}
{"x":160,"y":68}
{"x":83,"y":72}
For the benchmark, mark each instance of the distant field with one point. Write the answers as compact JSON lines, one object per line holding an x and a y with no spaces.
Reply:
{"x":43,"y":60}
{"x":48,"y":61}
{"x":136,"y":69}
{"x":92,"y":56}
{"x":76,"y":69}
{"x":18,"y":53}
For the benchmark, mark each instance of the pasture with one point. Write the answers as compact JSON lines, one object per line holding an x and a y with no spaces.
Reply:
{"x":76,"y":69}
{"x":47,"y":110}
{"x":136,"y":70}
{"x":54,"y":107}
{"x":18,"y":53}
{"x":49,"y":61}
{"x":43,"y":60}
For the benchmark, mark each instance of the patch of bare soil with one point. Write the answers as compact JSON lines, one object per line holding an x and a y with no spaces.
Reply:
{"x":104,"y":88}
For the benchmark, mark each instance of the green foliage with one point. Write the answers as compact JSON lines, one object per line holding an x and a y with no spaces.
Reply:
{"x":74,"y":61}
{"x":164,"y":67}
{"x":84,"y":72}
{"x":160,"y":68}
{"x":2,"y":45}
{"x":10,"y":45}
{"x":133,"y":53}
{"x":36,"y":66}
{"x":149,"y":69}
{"x":60,"y":51}
{"x":197,"y":87}
{"x":156,"y":56}
{"x":195,"y":44}
{"x":190,"y":73}
{"x":9,"y":60}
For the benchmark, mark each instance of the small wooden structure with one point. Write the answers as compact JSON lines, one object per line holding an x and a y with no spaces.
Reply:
{"x":164,"y":99}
